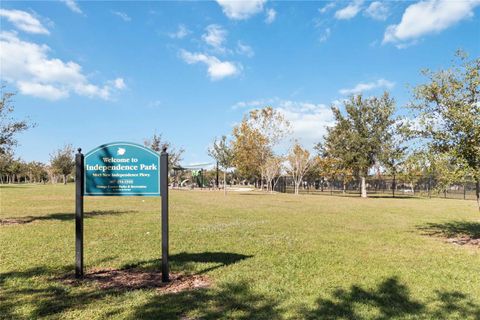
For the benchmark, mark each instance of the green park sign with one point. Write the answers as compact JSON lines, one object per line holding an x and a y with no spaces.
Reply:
{"x":122,"y":169}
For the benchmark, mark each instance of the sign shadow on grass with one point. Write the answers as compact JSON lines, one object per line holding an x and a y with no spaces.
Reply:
{"x":67,"y":216}
{"x":188,"y":262}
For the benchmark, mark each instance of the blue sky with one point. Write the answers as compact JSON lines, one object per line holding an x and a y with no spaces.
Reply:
{"x":94,"y":72}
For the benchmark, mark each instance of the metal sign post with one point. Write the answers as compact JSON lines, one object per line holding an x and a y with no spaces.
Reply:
{"x":79,"y":214}
{"x":120,"y":169}
{"x":164,"y":195}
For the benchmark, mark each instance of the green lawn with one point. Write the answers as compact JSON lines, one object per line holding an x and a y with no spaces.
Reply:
{"x":268,"y":256}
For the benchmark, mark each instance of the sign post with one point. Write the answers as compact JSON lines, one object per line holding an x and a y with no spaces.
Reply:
{"x":120,"y":169}
{"x":79,"y":214}
{"x":164,"y":195}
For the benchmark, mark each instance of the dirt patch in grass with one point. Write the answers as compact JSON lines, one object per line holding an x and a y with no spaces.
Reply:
{"x":134,"y":279}
{"x":464,"y":241}
{"x":13,"y":221}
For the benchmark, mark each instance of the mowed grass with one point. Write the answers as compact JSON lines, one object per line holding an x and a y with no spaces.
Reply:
{"x":268,"y":256}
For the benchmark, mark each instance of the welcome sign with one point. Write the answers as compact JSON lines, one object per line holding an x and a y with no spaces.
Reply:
{"x":122,"y":169}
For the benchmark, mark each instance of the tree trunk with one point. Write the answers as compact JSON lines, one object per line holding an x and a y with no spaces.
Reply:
{"x":477,"y":192}
{"x":364,"y":188}
{"x":224,"y":183}
{"x":394,"y":185}
{"x":64,"y":179}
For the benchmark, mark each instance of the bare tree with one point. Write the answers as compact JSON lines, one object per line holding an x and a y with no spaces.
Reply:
{"x":156,"y":143}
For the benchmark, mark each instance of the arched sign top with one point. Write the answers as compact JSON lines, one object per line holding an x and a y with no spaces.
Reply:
{"x":122,"y":169}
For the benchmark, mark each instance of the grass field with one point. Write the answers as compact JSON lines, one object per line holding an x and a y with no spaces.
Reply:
{"x":268,"y":256}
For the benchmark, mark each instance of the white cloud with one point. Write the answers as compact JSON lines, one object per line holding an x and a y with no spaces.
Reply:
{"x":361,"y":87}
{"x":378,"y":11}
{"x":73,"y":5}
{"x":27,"y":65}
{"x":44,"y":91}
{"x":122,"y":15}
{"x":308,"y":120}
{"x":24,"y":21}
{"x":181,"y":32}
{"x":245,"y":49}
{"x":428,"y":16}
{"x":217,"y":69}
{"x":271,"y":14}
{"x":215,"y":36}
{"x":325,"y":35}
{"x":349,"y":11}
{"x":327,"y":7}
{"x":119,"y":83}
{"x":241,"y":9}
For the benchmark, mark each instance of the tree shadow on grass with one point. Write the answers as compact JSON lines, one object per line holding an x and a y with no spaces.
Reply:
{"x":192,"y":262}
{"x":391,"y":300}
{"x":452,"y":229}
{"x":61,"y":216}
{"x":227,"y":301}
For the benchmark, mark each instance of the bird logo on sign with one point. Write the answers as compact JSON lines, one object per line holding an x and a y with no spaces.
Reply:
{"x":121,"y":151}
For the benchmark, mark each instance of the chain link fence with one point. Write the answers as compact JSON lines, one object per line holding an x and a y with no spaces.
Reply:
{"x":381,"y":187}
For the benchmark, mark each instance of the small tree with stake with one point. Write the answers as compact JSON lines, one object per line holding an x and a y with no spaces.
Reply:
{"x":223,"y":154}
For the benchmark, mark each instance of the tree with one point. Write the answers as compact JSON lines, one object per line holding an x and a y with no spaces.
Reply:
{"x":331,"y":167}
{"x":255,"y":138}
{"x":358,"y":137}
{"x":223,"y":154}
{"x":272,"y":169}
{"x":448,"y":111}
{"x":63,"y":162}
{"x":393,"y":153}
{"x":249,"y":147}
{"x":6,"y":160}
{"x":273,"y":127}
{"x":299,"y":161}
{"x":448,"y":171}
{"x":413,"y":168}
{"x":157,"y":144}
{"x":9,"y":127}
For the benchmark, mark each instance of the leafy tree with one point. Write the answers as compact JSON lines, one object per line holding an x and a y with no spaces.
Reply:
{"x":249,"y":148}
{"x":299,"y":162}
{"x":268,"y":126}
{"x":223,"y":154}
{"x":448,"y":111}
{"x":156,"y":143}
{"x":393,"y":153}
{"x":448,"y":171}
{"x":358,"y":137}
{"x":9,"y":127}
{"x":5,"y":162}
{"x":63,"y":161}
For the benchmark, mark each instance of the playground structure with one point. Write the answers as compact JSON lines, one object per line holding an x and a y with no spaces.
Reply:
{"x":193,"y":176}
